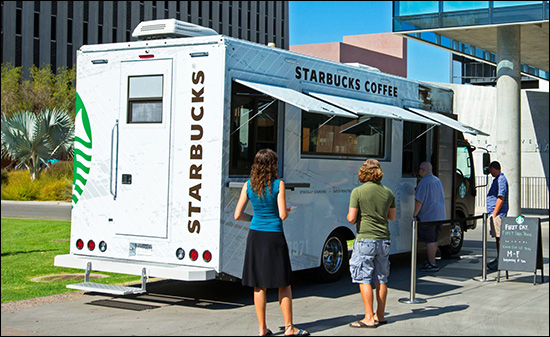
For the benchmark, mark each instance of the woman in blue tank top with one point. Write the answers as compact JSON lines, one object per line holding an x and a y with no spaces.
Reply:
{"x":266,"y":260}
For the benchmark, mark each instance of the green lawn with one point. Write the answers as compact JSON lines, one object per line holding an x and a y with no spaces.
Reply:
{"x":28,"y":251}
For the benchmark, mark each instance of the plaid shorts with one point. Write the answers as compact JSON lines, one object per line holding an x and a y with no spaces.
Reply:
{"x":369,"y":261}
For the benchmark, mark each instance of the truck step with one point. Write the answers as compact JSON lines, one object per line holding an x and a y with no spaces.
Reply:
{"x":107,"y":288}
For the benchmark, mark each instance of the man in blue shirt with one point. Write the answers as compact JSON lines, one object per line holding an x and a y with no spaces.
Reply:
{"x":429,"y":206}
{"x":497,"y":205}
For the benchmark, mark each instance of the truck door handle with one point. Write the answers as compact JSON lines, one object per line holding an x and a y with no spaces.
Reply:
{"x":114,"y":160}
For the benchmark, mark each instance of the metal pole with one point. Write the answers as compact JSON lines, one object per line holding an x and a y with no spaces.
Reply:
{"x":412,"y":298}
{"x":484,"y":252}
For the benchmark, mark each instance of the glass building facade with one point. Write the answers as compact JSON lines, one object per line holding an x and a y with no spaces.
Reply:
{"x":419,"y":20}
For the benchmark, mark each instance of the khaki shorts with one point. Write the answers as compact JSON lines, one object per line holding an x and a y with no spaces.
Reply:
{"x":495,"y":226}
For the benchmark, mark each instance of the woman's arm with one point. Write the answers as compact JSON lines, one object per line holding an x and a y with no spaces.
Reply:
{"x":352,"y":215}
{"x":281,"y":201}
{"x":241,"y":205}
{"x":392,"y":214}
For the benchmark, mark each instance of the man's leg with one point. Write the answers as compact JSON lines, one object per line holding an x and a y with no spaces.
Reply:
{"x":432,"y":250}
{"x":366,"y":295}
{"x":381,"y":295}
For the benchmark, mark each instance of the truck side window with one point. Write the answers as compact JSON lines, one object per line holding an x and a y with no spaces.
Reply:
{"x":463,"y":163}
{"x":145,"y":99}
{"x":253,"y":127}
{"x":339,"y":136}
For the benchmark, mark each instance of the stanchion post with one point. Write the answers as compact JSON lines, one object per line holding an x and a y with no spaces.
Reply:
{"x":412,"y":298}
{"x":484,"y":250}
{"x":484,"y":242}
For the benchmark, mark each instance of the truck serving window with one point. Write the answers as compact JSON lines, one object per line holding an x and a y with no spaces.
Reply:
{"x":343,"y":137}
{"x":418,"y":145}
{"x":145,"y":99}
{"x":253,"y":127}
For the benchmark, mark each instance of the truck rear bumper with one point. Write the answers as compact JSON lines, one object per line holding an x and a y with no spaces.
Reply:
{"x":162,"y":270}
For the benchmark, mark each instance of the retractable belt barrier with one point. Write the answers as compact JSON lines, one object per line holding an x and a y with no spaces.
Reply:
{"x":412,"y":299}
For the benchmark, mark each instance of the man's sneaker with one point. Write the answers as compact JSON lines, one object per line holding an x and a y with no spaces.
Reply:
{"x":429,"y":267}
{"x":493,"y":265}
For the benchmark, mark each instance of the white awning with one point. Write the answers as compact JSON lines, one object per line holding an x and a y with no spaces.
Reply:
{"x":448,"y":121}
{"x":297,"y":99}
{"x":373,"y":109}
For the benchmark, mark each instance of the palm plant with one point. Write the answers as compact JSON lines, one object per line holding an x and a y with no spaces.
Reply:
{"x":32,"y":139}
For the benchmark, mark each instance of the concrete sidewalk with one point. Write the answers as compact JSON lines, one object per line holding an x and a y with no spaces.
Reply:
{"x":456,"y":305}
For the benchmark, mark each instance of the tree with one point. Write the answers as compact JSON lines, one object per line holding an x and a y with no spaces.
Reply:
{"x":41,"y":91}
{"x":11,"y":83}
{"x":31,"y":140}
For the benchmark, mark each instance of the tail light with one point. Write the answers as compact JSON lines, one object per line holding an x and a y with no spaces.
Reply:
{"x":91,"y":245}
{"x":207,"y":256}
{"x":79,"y":244}
{"x":193,"y":255}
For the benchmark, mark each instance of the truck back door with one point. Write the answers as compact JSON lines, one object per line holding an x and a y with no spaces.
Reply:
{"x":141,"y":148}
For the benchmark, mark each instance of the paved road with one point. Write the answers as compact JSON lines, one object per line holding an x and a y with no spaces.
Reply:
{"x":47,"y":210}
{"x":456,"y":305}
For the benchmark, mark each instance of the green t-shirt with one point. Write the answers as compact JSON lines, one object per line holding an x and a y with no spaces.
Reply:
{"x":373,"y":201}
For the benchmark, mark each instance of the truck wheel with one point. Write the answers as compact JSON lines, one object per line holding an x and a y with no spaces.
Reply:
{"x":334,"y":259}
{"x":457,"y":239}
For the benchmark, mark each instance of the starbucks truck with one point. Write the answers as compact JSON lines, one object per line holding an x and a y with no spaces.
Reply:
{"x":167,"y":128}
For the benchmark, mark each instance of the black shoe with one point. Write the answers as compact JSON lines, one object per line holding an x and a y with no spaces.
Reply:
{"x":430,"y":267}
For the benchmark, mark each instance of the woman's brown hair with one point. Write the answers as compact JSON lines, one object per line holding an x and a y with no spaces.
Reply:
{"x":264,"y":171}
{"x":370,"y":171}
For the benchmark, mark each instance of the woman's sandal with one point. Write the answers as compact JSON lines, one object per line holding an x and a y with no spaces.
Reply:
{"x":268,"y":333}
{"x":301,"y":332}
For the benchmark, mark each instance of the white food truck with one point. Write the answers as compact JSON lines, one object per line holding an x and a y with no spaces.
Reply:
{"x":167,"y":128}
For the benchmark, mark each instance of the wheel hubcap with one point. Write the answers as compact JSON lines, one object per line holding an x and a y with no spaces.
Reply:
{"x":333,"y":254}
{"x":456,"y":236}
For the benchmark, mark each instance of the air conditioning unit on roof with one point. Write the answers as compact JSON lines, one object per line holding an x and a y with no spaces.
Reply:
{"x":160,"y":29}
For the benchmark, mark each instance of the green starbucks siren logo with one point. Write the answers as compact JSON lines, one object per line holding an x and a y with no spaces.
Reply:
{"x":462,"y":190}
{"x":82,"y":150}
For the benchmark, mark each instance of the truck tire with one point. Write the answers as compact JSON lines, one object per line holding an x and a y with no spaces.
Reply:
{"x":457,"y":240}
{"x":334,"y":259}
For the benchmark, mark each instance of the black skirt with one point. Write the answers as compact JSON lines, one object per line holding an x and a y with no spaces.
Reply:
{"x":266,"y":260}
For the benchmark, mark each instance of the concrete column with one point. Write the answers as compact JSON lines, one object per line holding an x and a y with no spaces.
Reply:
{"x":509,"y":112}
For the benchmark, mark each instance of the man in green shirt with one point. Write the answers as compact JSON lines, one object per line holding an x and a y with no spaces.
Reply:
{"x":371,"y":206}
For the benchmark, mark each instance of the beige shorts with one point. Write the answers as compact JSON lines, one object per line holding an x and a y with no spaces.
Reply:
{"x":495,"y":226}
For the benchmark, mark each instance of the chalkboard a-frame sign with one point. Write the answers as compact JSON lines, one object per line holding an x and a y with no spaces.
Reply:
{"x":520,"y":246}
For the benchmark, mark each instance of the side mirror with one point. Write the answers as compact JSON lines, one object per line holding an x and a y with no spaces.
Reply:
{"x":486,"y":162}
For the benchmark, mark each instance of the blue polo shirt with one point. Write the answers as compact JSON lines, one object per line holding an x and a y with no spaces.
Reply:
{"x":499,"y":188}
{"x":430,"y":193}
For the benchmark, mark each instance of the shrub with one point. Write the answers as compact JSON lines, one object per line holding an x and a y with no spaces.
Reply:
{"x":62,"y":169}
{"x":20,"y":187}
{"x":55,"y":184}
{"x":4,"y":177}
{"x":57,"y":190}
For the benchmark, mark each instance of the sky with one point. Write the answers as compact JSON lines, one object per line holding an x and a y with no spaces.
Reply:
{"x":329,"y":21}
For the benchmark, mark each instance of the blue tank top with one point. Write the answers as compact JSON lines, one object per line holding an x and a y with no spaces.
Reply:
{"x":266,"y":211}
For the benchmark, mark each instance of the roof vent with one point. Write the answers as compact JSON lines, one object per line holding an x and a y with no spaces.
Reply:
{"x":160,"y":29}
{"x":363,"y":66}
